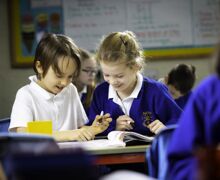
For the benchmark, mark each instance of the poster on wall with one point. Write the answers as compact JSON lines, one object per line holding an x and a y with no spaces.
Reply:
{"x":30,"y":20}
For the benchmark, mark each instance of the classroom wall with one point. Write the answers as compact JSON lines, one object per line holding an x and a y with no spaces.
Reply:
{"x":159,"y":68}
{"x":12,"y":79}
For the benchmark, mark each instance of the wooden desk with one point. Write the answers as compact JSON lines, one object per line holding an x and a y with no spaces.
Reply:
{"x":112,"y":155}
{"x":121,"y":155}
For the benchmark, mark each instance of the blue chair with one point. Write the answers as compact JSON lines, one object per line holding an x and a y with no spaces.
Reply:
{"x":156,"y":155}
{"x":29,"y":156}
{"x":60,"y":164}
{"x":4,"y":124}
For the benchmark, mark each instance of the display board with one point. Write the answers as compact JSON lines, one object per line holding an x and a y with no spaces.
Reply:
{"x":165,"y":28}
{"x":29,"y":20}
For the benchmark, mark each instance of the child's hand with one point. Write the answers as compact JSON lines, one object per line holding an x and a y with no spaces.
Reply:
{"x":124,"y":123}
{"x":83,"y":134}
{"x":101,"y":123}
{"x":156,"y":126}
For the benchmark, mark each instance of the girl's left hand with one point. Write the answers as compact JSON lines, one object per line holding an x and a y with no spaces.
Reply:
{"x":156,"y":126}
{"x":124,"y":122}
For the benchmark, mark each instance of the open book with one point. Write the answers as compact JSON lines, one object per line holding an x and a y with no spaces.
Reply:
{"x":123,"y":137}
{"x":114,"y":139}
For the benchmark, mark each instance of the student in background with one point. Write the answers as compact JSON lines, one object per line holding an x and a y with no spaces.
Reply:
{"x":135,"y":103}
{"x":180,"y":81}
{"x":51,"y":95}
{"x":86,"y":81}
{"x":199,"y":126}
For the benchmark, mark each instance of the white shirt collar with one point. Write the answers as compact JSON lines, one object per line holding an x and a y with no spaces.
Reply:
{"x":112,"y":93}
{"x":84,"y":90}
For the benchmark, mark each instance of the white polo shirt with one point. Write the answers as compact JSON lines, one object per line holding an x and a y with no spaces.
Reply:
{"x":33,"y":103}
{"x":126,"y":103}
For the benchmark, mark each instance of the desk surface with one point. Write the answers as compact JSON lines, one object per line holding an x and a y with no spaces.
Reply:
{"x":120,"y":150}
{"x":106,"y":155}
{"x":100,"y":147}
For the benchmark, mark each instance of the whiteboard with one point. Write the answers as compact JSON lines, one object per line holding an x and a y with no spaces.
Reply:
{"x":158,"y":24}
{"x":206,"y":21}
{"x":88,"y":20}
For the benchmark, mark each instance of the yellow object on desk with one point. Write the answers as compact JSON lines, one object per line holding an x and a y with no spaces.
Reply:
{"x":40,"y":127}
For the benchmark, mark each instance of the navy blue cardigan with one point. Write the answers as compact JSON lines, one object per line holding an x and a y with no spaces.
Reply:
{"x":153,"y":102}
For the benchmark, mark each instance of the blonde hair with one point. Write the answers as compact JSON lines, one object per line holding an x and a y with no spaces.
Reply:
{"x":120,"y":46}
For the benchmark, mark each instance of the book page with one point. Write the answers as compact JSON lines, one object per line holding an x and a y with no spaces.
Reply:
{"x":125,"y":136}
{"x":129,"y":136}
